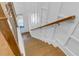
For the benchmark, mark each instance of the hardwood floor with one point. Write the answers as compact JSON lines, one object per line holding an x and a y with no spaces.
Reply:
{"x":35,"y":47}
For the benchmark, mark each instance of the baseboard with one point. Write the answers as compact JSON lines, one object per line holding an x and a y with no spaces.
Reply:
{"x":25,"y":33}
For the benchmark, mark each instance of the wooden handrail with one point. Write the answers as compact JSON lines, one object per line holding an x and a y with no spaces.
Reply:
{"x":6,"y":31}
{"x":55,"y":22}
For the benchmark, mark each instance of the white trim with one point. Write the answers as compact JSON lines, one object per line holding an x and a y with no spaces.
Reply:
{"x":20,"y":42}
{"x":73,"y":37}
{"x":73,"y":54}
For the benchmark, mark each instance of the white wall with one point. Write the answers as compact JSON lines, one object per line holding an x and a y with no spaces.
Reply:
{"x":66,"y":34}
{"x":23,"y":8}
{"x":28,"y":8}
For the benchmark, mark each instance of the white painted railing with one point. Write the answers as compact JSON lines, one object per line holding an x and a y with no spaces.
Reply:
{"x":20,"y":42}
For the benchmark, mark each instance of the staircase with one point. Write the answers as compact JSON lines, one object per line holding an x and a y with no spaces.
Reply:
{"x":57,"y":25}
